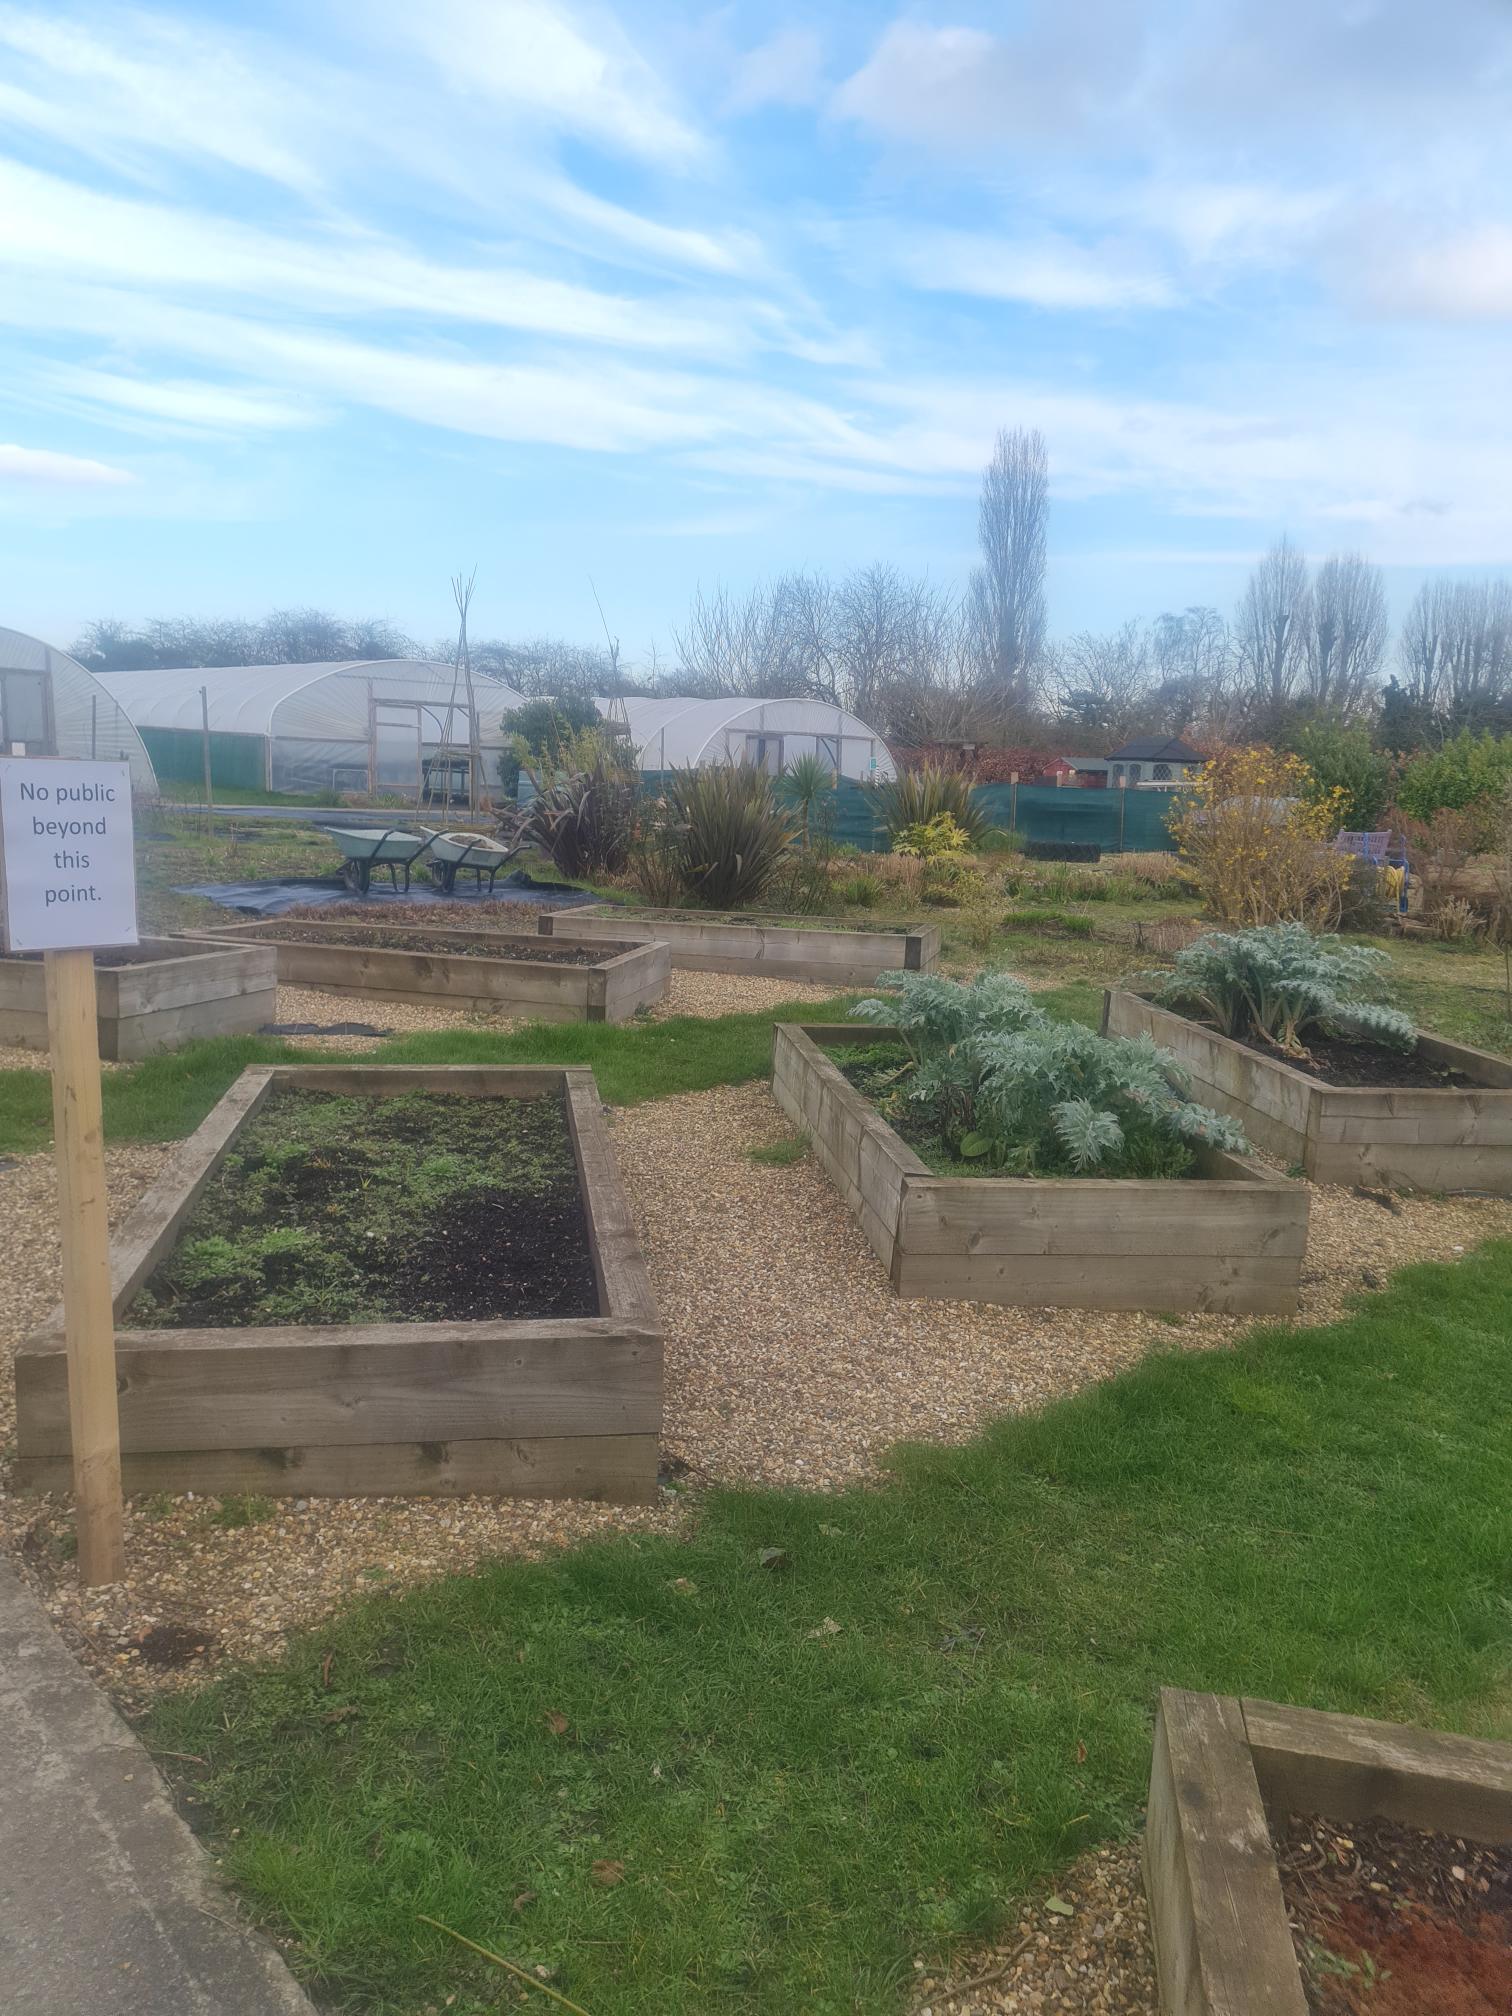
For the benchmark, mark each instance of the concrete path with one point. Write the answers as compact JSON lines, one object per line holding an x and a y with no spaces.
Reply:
{"x":108,"y":1905}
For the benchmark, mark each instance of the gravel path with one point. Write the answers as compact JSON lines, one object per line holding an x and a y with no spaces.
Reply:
{"x":789,"y":1361}
{"x":1087,"y":1953}
{"x":701,"y":994}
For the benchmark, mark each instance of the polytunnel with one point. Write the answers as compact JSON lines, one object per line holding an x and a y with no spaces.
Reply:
{"x":51,"y":705}
{"x":379,"y":724}
{"x":683,"y":734}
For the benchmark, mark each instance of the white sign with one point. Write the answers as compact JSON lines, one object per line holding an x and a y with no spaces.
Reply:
{"x":67,"y":855}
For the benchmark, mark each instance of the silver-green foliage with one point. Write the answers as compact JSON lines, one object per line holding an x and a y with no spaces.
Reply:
{"x":1278,"y":981}
{"x":1004,"y":1083}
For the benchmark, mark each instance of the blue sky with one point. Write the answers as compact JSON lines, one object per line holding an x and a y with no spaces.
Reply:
{"x":318,"y":303}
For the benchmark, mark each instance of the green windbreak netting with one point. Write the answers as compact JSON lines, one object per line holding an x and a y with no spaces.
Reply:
{"x":1120,"y":822}
{"x":235,"y":760}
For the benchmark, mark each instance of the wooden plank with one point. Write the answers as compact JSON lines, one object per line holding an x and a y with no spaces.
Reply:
{"x":619,"y":1264}
{"x":89,"y":1396}
{"x":339,"y":965}
{"x":130,"y":1036}
{"x":778,"y":947}
{"x":610,"y":1469}
{"x":266,"y":1387}
{"x":184,"y":974}
{"x":1437,"y":1170}
{"x":1462,"y":1126}
{"x":393,"y":1081}
{"x":1224,"y":1286}
{"x":1222,"y":1943}
{"x":1262,"y":1224}
{"x":25,"y":1028}
{"x":1350,"y":1768}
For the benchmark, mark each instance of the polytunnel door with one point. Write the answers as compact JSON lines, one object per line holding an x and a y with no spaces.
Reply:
{"x":25,"y":724}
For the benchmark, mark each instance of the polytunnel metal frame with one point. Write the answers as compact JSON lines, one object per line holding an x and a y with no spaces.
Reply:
{"x":71,"y":712}
{"x":681,"y":733}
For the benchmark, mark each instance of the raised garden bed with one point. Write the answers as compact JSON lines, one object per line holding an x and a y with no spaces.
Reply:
{"x":1230,"y":1239}
{"x":423,"y":1301}
{"x":152,"y":996}
{"x":1443,"y":1136}
{"x":507,"y":973}
{"x":1228,"y":1782}
{"x":782,"y":948}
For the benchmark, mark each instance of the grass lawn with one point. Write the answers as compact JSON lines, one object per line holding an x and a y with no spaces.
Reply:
{"x":164,"y":1098}
{"x":191,"y":791}
{"x":766,"y":1768}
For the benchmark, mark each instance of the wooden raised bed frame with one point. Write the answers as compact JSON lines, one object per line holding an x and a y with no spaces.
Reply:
{"x":1230,"y":1240}
{"x":559,"y":1407}
{"x":629,"y":976}
{"x":169,"y":997}
{"x":782,"y":948}
{"x":1414,"y":1139}
{"x":1222,"y":1770}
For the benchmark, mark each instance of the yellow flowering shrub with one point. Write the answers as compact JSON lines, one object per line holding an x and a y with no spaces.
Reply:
{"x":932,"y":837}
{"x":1254,"y":835}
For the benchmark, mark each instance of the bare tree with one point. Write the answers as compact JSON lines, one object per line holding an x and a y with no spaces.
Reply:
{"x":1271,"y":628}
{"x":287,"y":636}
{"x":1346,"y":638}
{"x":1103,"y":684}
{"x":893,"y":632}
{"x":545,"y":665}
{"x":462,"y":593}
{"x":1455,"y":649}
{"x":1008,"y":589}
{"x":1193,"y":660}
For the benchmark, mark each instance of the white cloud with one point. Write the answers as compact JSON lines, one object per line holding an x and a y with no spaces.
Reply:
{"x":47,"y":469}
{"x":155,"y":84}
{"x":189,"y":403}
{"x":542,"y":60}
{"x":1046,"y":272}
{"x":49,"y":225}
{"x":786,"y":70}
{"x":963,"y":89}
{"x":1465,"y":277}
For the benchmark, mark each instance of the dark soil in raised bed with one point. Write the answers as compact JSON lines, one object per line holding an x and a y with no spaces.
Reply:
{"x":429,"y":1207}
{"x":1391,"y":1921}
{"x":374,"y":938}
{"x":1336,"y":1061}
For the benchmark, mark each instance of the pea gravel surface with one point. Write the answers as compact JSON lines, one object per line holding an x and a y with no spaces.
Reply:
{"x":1081,"y":1949}
{"x":702,"y":994}
{"x":789,"y":1361}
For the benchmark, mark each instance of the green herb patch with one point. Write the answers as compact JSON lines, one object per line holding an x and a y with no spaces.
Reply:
{"x":766,"y":1768}
{"x":430,"y":1207}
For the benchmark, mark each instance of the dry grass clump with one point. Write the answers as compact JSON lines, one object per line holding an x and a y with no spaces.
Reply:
{"x":1155,"y":871}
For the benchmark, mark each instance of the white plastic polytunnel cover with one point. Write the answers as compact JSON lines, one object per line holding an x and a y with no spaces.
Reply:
{"x":325,"y":725}
{"x":682,"y":734}
{"x":50,"y":705}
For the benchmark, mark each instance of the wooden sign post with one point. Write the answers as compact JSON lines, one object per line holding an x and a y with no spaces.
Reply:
{"x":68,"y":878}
